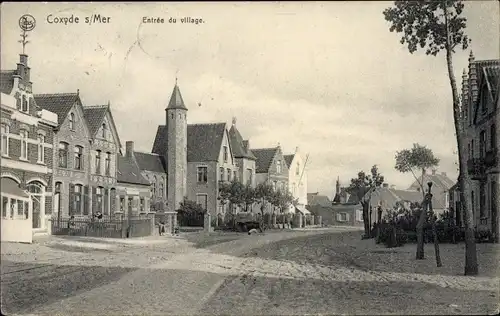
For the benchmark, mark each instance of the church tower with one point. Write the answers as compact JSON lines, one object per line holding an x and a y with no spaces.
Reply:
{"x":176,"y":121}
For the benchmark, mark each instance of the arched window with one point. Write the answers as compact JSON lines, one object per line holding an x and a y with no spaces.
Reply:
{"x":25,"y":104}
{"x":63,"y":155}
{"x":57,"y":198}
{"x":98,"y":162}
{"x":71,"y":121}
{"x":278,"y":166}
{"x":18,"y":100}
{"x":107,"y":164}
{"x":160,"y":193}
{"x":153,"y":187}
{"x":103,"y":130}
{"x":37,"y":192}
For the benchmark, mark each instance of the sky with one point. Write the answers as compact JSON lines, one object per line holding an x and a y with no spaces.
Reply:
{"x":326,"y":77}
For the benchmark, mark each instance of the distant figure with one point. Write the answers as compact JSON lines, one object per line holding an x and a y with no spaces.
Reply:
{"x":161,"y":228}
{"x":98,"y":215}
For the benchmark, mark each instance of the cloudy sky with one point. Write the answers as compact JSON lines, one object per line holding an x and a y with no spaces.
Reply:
{"x":327,"y":77}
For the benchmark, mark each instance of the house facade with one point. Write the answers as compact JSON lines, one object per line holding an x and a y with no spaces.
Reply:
{"x":297,"y":177}
{"x":153,"y":168}
{"x":441,"y":186}
{"x":271,"y":167}
{"x":27,"y":146}
{"x":480,"y":95}
{"x":245,"y":159}
{"x":133,"y":190}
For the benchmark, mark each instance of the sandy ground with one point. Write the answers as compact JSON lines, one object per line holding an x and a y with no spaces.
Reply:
{"x":280,"y":272}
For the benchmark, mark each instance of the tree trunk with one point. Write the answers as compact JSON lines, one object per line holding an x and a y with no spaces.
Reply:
{"x":365,"y":219}
{"x":420,"y":224}
{"x":435,"y":236}
{"x":471,"y":266}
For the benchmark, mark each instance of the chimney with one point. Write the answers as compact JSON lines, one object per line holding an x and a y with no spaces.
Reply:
{"x":385,"y":185}
{"x":234,"y":120}
{"x":472,"y":78}
{"x":297,"y":149}
{"x":23,"y":59}
{"x":129,"y":149}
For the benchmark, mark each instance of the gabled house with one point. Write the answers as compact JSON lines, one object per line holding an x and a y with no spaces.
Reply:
{"x":245,"y":159}
{"x":27,"y":145}
{"x":480,"y":92}
{"x":198,"y":156}
{"x":72,"y":193}
{"x":153,"y":167}
{"x":318,"y":199}
{"x":103,"y":158}
{"x":297,"y":177}
{"x":271,"y":167}
{"x":441,"y":185}
{"x":132,"y":189}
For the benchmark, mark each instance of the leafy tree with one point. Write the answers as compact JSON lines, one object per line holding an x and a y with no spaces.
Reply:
{"x":362,"y":187}
{"x":439,"y":26}
{"x":248,"y":197}
{"x":418,"y":158}
{"x":264,"y":194}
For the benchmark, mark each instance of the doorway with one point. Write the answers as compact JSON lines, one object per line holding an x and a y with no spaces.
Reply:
{"x":37,"y":194}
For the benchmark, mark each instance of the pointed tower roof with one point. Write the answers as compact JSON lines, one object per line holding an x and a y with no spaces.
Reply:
{"x":176,"y":101}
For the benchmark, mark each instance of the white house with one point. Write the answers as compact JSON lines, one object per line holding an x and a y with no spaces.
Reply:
{"x":297,"y":177}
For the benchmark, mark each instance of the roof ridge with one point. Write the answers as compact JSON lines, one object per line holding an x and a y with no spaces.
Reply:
{"x":200,"y":124}
{"x":103,"y":106}
{"x":267,"y":148}
{"x":143,"y":152}
{"x":56,"y":94}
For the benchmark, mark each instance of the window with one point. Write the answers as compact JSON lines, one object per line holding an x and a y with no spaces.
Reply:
{"x":98,"y":162}
{"x":201,"y":199}
{"x":202,"y":174}
{"x":153,"y":187}
{"x":103,"y":130}
{"x":249,"y":176}
{"x":359,"y":215}
{"x":472,"y":148}
{"x":160,"y":194}
{"x":278,"y":166}
{"x":5,"y":139}
{"x":5,"y":206}
{"x":469,"y":151}
{"x":77,"y":199}
{"x":298,"y":168}
{"x":342,"y":217}
{"x":99,"y":200}
{"x":221,"y":177}
{"x":141,"y":205}
{"x":275,"y":185}
{"x":41,"y":148}
{"x":78,"y":158}
{"x":225,"y":154}
{"x":25,"y":104}
{"x":24,"y":144}
{"x":63,"y":155}
{"x":72,"y":121}
{"x":122,"y":204}
{"x":107,"y":164}
{"x":235,"y":175}
{"x":493,"y":137}
{"x":57,"y":197}
{"x":473,"y":202}
{"x":18,"y":100}
{"x":228,"y":174}
{"x":482,"y":144}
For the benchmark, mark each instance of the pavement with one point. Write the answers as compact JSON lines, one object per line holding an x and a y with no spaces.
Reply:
{"x":326,"y":270}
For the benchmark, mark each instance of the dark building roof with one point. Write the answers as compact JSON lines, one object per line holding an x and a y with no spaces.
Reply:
{"x":203,"y":141}
{"x":94,"y":115}
{"x":176,"y":101}
{"x":129,"y":172}
{"x":7,"y":81}
{"x":151,"y":162}
{"x":238,"y":145}
{"x":264,"y":158}
{"x":59,"y":103}
{"x":289,"y":159}
{"x":317,"y":199}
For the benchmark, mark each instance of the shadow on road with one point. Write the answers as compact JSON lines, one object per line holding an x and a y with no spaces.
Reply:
{"x":275,"y":296}
{"x":24,"y":286}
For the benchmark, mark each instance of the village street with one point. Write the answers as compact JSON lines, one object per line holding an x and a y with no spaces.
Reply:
{"x":285,"y":272}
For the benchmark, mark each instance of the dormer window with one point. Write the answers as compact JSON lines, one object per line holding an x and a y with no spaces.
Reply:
{"x":104,"y":130}
{"x":278,"y":166}
{"x":25,"y":104}
{"x":72,"y":121}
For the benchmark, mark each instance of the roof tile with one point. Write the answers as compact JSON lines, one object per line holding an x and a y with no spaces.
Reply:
{"x":59,"y":103}
{"x":264,"y":158}
{"x":150,"y":162}
{"x":238,"y":145}
{"x":94,"y":115}
{"x":129,"y":172}
{"x":7,"y":81}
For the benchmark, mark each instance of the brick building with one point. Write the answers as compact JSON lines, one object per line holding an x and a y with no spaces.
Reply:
{"x":27,"y":157}
{"x":480,"y":95}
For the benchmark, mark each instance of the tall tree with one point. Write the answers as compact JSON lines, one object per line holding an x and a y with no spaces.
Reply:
{"x":418,"y":158}
{"x":362,"y":187}
{"x":439,"y":26}
{"x":263,"y":193}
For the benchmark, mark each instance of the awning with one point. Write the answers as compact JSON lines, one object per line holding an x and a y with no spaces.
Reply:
{"x":302,"y":209}
{"x":10,"y":187}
